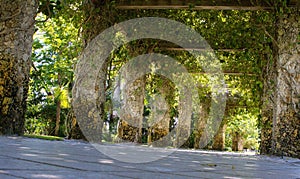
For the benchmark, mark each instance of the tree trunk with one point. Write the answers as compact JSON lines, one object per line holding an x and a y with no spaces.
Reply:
{"x":286,"y":118}
{"x":57,"y":122}
{"x":16,"y":31}
{"x":58,"y":107}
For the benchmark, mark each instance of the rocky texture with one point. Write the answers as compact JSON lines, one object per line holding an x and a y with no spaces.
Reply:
{"x":281,"y":100}
{"x":266,"y":121}
{"x":237,"y":142}
{"x":219,"y":139}
{"x":73,"y":128}
{"x":90,"y":126}
{"x":161,"y":114}
{"x":130,"y":124}
{"x":286,"y":119}
{"x":199,"y":135}
{"x":16,"y":31}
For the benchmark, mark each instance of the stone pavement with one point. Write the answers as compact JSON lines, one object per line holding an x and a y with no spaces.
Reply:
{"x":33,"y":158}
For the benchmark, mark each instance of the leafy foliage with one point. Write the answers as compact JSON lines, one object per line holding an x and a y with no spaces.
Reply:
{"x":241,"y":40}
{"x":55,"y":50}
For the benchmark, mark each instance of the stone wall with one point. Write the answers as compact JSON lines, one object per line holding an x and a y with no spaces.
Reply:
{"x":16,"y":31}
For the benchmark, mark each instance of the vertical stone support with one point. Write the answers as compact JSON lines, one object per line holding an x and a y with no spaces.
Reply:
{"x":237,"y":141}
{"x":97,"y":21}
{"x":266,"y":122}
{"x":219,"y":139}
{"x":286,"y":113}
{"x":160,"y":115}
{"x":183,"y":126}
{"x":130,"y":124}
{"x":200,"y":125}
{"x":16,"y":35}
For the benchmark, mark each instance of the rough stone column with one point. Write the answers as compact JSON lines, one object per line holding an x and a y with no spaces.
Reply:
{"x":237,"y":141}
{"x":183,"y":126}
{"x":161,"y":117}
{"x":97,"y":21}
{"x":286,"y":116}
{"x":266,"y":122}
{"x":16,"y":34}
{"x":200,"y":125}
{"x":219,"y":139}
{"x":130,"y":125}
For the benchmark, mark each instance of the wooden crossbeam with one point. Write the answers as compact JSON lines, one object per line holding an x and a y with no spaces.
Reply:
{"x":201,"y":4}
{"x":202,"y":49}
{"x":226,"y":73}
{"x":246,"y":8}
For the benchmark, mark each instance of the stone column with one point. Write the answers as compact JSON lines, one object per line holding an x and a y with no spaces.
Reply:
{"x":201,"y":124}
{"x":237,"y":141}
{"x":160,"y":114}
{"x":16,"y":34}
{"x":219,"y":139}
{"x":286,"y":113}
{"x":130,"y":124}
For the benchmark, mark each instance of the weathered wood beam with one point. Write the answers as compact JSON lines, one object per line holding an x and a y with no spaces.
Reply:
{"x":225,"y":73}
{"x":201,"y":5}
{"x":246,"y":8}
{"x":203,"y":49}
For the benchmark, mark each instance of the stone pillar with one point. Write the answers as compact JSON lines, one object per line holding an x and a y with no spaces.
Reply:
{"x":16,"y":31}
{"x":160,"y":114}
{"x":286,"y":113}
{"x":97,"y":20}
{"x":219,"y":139}
{"x":200,"y":125}
{"x":266,"y":121}
{"x":237,"y":141}
{"x":130,"y":124}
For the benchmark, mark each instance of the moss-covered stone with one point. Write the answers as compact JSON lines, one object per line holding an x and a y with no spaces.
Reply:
{"x":286,"y":109}
{"x":15,"y":49}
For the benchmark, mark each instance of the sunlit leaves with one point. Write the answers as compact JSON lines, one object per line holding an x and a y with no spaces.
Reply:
{"x":55,"y":50}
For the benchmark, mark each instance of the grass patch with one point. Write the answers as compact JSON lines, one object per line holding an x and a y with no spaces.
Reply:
{"x":44,"y":137}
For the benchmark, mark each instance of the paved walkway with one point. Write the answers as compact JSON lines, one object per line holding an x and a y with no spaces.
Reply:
{"x":34,"y":158}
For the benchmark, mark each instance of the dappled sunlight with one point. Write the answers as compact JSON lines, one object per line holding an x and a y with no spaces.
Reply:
{"x":63,"y":154}
{"x":46,"y":176}
{"x":75,"y":160}
{"x":30,"y":155}
{"x":106,"y":161}
{"x":24,"y":148}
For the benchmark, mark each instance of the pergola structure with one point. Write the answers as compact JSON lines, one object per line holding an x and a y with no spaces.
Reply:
{"x":280,"y":113}
{"x":280,"y":133}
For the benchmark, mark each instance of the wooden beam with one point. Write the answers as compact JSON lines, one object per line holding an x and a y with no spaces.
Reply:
{"x":201,"y":4}
{"x":203,"y":49}
{"x":225,"y":73}
{"x":245,"y":8}
{"x":195,"y":4}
